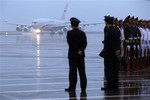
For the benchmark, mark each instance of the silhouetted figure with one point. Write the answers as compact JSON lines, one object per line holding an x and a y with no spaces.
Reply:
{"x":111,"y":52}
{"x":114,"y":93}
{"x":77,"y":42}
{"x":72,"y":95}
{"x":83,"y":96}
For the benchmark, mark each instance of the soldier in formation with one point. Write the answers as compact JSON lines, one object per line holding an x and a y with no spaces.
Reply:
{"x":134,"y":36}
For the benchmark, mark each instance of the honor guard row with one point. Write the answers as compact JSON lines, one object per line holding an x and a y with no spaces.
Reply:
{"x":135,"y":42}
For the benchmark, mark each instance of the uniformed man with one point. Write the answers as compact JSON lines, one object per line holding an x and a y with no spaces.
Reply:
{"x":118,"y":29}
{"x":111,"y":52}
{"x":121,"y":26}
{"x":148,"y":42}
{"x":77,"y":42}
{"x":128,"y":46}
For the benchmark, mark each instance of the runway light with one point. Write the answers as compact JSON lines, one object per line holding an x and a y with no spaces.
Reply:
{"x":6,"y":33}
{"x":38,"y":31}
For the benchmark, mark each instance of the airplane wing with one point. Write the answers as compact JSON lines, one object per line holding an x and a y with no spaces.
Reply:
{"x":88,"y":24}
{"x":18,"y":24}
{"x":21,"y":27}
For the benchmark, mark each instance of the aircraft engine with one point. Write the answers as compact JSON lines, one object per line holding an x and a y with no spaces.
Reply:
{"x":19,"y":28}
{"x":65,"y":29}
{"x":26,"y":29}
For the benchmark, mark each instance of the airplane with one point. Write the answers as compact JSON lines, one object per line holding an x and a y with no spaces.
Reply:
{"x":50,"y":25}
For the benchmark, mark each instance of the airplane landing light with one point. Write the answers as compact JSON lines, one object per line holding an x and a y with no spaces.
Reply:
{"x":6,"y":33}
{"x":38,"y":31}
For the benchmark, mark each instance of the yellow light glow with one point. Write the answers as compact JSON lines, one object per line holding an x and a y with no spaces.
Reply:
{"x":38,"y":39}
{"x":6,"y":33}
{"x":38,"y":31}
{"x":38,"y":62}
{"x":38,"y":54}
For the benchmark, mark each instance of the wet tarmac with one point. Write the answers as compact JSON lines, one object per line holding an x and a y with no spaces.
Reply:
{"x":35,"y":67}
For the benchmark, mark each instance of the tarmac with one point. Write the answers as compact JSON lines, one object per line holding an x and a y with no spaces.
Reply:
{"x":35,"y":67}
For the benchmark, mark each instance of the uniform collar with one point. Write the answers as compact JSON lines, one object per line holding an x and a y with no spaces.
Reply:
{"x":75,"y":28}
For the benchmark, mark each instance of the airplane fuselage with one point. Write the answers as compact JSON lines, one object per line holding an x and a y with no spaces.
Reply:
{"x":48,"y":24}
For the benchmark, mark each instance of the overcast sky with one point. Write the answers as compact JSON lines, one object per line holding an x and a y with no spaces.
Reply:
{"x":24,"y":11}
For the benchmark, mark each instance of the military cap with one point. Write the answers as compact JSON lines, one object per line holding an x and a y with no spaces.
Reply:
{"x":109,"y":19}
{"x":140,"y":20}
{"x":128,"y":17}
{"x":136,"y":18}
{"x":115,"y":19}
{"x":120,"y":20}
{"x":132,"y":17}
{"x":74,"y":20}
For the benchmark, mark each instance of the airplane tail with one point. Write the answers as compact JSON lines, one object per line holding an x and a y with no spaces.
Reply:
{"x":64,"y":12}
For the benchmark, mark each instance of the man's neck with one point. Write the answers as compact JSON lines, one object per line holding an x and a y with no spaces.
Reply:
{"x":109,"y":25}
{"x":74,"y":27}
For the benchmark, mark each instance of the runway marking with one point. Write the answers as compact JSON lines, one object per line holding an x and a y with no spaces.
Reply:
{"x":31,"y":69}
{"x":35,"y":76}
{"x":39,"y":84}
{"x":41,"y":70}
{"x":9,"y":97}
{"x":95,"y":97}
{"x":40,"y":78}
{"x":33,"y":72}
{"x":52,"y":70}
{"x":58,"y":83}
{"x":99,"y":80}
{"x":57,"y":90}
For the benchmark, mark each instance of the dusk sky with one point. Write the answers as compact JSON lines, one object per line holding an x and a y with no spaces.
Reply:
{"x":24,"y":11}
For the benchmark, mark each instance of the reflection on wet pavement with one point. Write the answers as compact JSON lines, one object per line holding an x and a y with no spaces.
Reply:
{"x":35,"y":67}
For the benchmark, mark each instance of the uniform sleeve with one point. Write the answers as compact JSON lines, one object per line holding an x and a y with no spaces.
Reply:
{"x":116,"y":39}
{"x":69,"y":41}
{"x":68,"y":38}
{"x":84,"y":42}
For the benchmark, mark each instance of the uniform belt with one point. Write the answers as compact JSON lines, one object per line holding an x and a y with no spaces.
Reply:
{"x":127,"y":41}
{"x":131,"y":41}
{"x":134,"y":41}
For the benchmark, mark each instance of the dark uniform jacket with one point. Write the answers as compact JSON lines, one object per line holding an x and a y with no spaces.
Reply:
{"x":136,"y":35}
{"x":112,"y":41}
{"x":128,"y":33}
{"x":76,"y":40}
